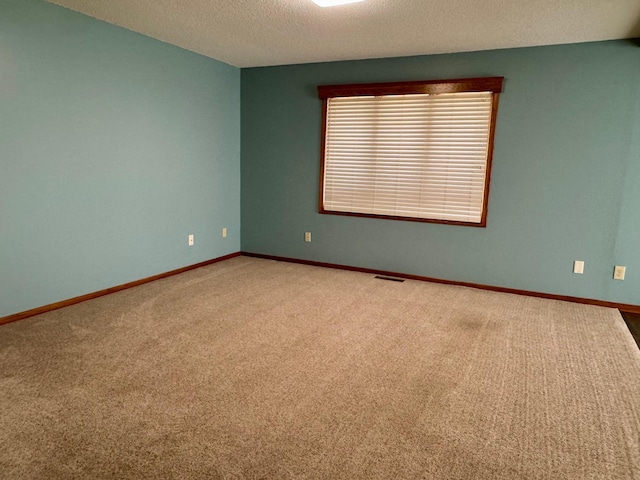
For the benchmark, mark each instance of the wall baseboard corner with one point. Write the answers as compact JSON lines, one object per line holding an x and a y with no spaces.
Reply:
{"x":82,"y":298}
{"x":623,"y":307}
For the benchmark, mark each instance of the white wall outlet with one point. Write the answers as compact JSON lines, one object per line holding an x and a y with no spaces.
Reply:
{"x":191,"y":240}
{"x":307,"y":236}
{"x":578,"y":267}
{"x":224,"y":232}
{"x":619,"y":272}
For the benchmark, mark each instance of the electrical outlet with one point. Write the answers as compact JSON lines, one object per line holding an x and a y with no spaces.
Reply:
{"x":307,"y":236}
{"x":224,"y":232}
{"x":191,"y":240}
{"x":619,"y":272}
{"x":578,"y":267}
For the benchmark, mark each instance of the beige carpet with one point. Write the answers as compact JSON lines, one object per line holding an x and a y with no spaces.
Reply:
{"x":264,"y":370}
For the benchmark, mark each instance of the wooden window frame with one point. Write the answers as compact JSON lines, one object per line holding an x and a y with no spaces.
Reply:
{"x":485,"y":84}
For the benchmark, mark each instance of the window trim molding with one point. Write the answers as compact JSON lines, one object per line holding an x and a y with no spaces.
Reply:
{"x":486,"y":84}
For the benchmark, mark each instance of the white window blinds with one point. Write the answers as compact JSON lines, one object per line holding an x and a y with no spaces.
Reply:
{"x":422,"y":156}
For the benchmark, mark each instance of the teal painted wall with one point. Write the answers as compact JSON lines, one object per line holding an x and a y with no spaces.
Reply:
{"x":565,"y":183}
{"x":113,"y":148}
{"x":627,"y":251}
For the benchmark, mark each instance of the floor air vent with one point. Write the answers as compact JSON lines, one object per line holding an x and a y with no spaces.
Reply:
{"x":390,"y":279}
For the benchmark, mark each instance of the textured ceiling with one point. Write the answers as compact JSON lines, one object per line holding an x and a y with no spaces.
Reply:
{"x":249,"y":33}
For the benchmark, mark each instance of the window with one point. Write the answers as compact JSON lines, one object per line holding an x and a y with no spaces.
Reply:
{"x":411,"y":151}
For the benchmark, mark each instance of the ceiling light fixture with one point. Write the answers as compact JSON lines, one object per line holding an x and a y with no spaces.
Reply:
{"x":333,"y":3}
